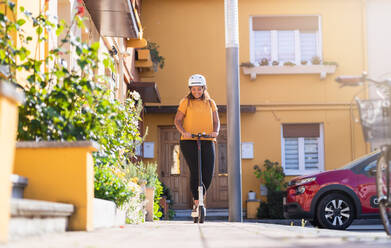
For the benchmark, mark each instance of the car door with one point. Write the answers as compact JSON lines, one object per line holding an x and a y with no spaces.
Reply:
{"x":366,"y":187}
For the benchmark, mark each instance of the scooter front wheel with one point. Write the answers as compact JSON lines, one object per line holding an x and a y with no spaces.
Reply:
{"x":201,"y":212}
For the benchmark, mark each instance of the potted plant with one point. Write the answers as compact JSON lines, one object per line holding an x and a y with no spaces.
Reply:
{"x":330,"y":63}
{"x":275,"y":63}
{"x":157,"y":59}
{"x":264,"y":62}
{"x":273,"y":177}
{"x":316,"y":60}
{"x":247,"y":64}
{"x":289,"y":63}
{"x":153,"y":189}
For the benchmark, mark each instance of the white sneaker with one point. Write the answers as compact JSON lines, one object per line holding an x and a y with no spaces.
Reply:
{"x":194,"y":212}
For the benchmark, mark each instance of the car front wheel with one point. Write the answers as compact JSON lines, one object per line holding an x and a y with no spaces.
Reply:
{"x":335,"y":211}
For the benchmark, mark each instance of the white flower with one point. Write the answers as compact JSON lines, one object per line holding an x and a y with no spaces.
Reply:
{"x":135,"y":95}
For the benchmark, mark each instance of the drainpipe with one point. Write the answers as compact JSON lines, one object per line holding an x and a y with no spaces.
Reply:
{"x":233,"y":111}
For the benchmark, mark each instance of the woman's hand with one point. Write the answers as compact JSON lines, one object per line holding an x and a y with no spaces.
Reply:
{"x":186,"y":135}
{"x":214,"y":134}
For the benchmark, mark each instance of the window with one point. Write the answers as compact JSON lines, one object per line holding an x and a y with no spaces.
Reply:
{"x":370,"y":166}
{"x":284,"y":38}
{"x":176,"y":162}
{"x":302,"y":148}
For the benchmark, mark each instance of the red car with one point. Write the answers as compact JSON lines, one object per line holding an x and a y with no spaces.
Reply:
{"x":333,"y":199}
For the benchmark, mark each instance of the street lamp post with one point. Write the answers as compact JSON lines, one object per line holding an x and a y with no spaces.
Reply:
{"x":233,"y":110}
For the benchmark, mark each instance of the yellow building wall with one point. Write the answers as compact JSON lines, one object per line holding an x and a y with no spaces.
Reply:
{"x":36,"y":51}
{"x":192,"y":40}
{"x":3,"y":10}
{"x":8,"y":128}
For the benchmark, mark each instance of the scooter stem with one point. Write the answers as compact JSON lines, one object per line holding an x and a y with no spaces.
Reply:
{"x":200,"y":187}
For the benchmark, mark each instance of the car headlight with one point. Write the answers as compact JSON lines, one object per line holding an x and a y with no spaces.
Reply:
{"x":300,"y":190}
{"x":305,"y":180}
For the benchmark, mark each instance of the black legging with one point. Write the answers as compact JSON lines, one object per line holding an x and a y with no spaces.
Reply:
{"x":189,"y":151}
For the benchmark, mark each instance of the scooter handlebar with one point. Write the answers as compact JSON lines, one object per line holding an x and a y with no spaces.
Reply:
{"x":201,"y":135}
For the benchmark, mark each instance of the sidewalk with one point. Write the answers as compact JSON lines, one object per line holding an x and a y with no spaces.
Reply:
{"x":211,"y":234}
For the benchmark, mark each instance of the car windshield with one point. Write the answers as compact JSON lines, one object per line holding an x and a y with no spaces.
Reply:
{"x":353,"y":163}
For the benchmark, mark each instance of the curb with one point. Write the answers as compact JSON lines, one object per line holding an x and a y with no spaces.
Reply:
{"x":299,"y":221}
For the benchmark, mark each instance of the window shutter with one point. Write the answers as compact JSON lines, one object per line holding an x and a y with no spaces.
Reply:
{"x":303,"y":23}
{"x":302,"y":148}
{"x":291,"y":153}
{"x":262,"y":45}
{"x":311,"y":153}
{"x":286,"y":46}
{"x":301,"y":130}
{"x":308,"y":45}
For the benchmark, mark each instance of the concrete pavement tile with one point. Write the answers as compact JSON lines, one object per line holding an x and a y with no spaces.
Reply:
{"x":208,"y":235}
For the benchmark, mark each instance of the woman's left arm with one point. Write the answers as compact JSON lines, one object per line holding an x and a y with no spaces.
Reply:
{"x":216,"y":124}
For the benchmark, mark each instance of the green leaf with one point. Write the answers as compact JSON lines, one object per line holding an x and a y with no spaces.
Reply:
{"x":39,"y":30}
{"x":106,"y":62}
{"x":60,"y":29}
{"x":20,"y":22}
{"x":2,"y":54}
{"x":78,"y":50}
{"x":95,"y":46}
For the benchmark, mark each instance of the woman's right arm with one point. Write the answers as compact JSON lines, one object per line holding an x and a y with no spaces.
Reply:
{"x":179,"y":124}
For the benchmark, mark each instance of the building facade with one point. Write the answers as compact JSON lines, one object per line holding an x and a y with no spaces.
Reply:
{"x":292,"y":110}
{"x":115,"y":25}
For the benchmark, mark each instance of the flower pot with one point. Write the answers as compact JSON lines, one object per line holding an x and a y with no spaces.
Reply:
{"x":149,"y":195}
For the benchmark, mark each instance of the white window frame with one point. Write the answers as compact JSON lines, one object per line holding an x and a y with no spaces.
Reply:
{"x":302,"y":170}
{"x":274,"y":45}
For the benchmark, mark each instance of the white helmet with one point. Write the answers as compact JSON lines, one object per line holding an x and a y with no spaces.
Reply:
{"x":197,"y":80}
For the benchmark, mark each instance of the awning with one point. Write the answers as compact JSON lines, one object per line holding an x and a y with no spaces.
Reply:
{"x":171,"y":109}
{"x":147,"y":90}
{"x":114,"y":18}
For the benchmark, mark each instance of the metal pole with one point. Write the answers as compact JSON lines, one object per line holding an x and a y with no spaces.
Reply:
{"x":233,"y":111}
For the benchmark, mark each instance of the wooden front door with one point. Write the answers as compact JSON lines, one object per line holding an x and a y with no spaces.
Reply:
{"x":217,"y":195}
{"x":175,"y":174}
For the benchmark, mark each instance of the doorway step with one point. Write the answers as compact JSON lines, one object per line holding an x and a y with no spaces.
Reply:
{"x":211,"y":214}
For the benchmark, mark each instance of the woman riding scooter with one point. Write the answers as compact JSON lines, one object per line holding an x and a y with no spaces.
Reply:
{"x":197,"y":114}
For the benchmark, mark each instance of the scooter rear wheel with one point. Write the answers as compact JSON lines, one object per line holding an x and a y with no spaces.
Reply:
{"x":202,"y":214}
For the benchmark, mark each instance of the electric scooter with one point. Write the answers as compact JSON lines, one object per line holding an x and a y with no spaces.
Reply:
{"x":199,"y":216}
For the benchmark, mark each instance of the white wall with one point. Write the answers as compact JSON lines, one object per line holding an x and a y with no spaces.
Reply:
{"x":379,"y":38}
{"x":379,"y":42}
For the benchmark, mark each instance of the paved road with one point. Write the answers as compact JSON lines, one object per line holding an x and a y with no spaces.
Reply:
{"x":209,"y":235}
{"x":366,"y":228}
